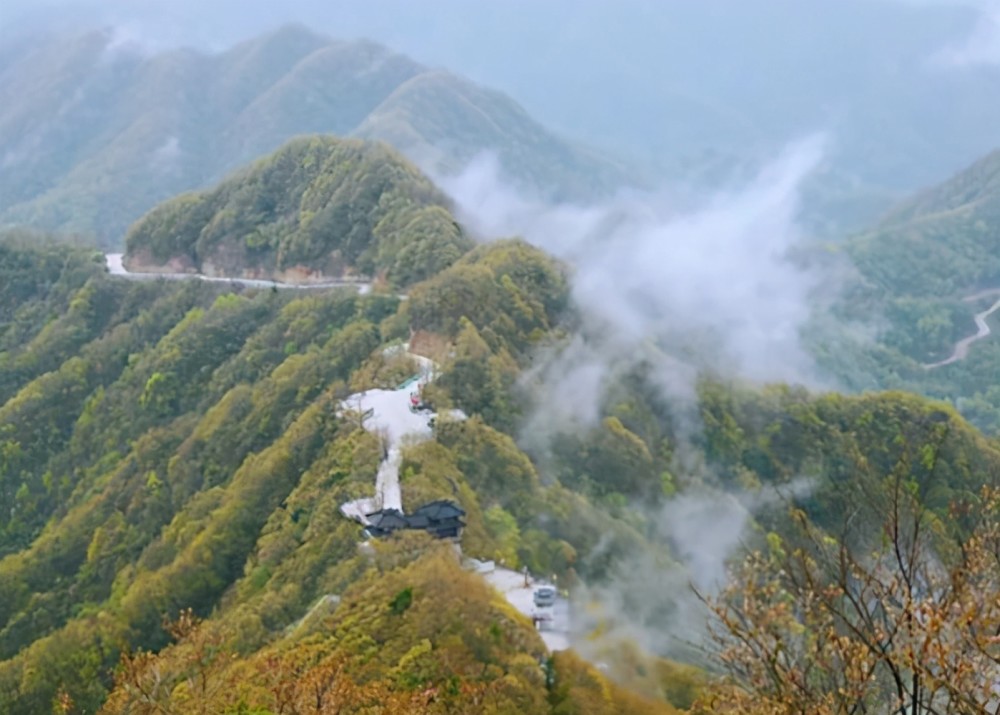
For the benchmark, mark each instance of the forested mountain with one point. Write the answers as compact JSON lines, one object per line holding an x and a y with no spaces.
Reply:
{"x":174,"y":445}
{"x":314,"y":446}
{"x":94,"y":131}
{"x":175,"y":454}
{"x":942,"y":241}
{"x":318,"y":207}
{"x":923,"y":272}
{"x":905,"y":88}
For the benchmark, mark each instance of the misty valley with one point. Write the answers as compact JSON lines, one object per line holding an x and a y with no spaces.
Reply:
{"x":355,"y":361}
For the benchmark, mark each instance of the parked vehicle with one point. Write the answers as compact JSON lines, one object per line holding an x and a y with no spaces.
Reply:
{"x":545,"y":596}
{"x":417,"y":403}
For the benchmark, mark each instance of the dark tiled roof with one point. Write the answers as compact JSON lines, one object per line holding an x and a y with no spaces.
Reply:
{"x":418,"y":521}
{"x":441,"y":518}
{"x":439,"y":510}
{"x":388,"y":519}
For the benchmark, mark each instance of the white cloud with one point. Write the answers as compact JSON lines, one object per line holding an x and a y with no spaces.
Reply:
{"x":982,"y":46}
{"x":654,"y":602}
{"x":712,"y":285}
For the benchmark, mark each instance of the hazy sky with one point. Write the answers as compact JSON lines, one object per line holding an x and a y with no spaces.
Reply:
{"x":644,"y":76}
{"x":465,"y":35}
{"x":907,"y":90}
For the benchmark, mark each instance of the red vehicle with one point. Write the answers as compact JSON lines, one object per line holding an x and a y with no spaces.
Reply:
{"x":417,"y":403}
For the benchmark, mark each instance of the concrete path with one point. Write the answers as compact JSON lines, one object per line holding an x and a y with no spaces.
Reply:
{"x":391,"y":418}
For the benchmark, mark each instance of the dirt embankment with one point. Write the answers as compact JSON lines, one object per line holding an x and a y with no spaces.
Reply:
{"x":141,"y":262}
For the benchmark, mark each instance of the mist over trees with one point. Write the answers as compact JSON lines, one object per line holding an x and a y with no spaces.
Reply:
{"x":694,"y":360}
{"x":130,"y":126}
{"x":685,"y":84}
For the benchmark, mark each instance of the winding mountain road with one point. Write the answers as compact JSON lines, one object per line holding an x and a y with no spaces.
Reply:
{"x":961,"y":350}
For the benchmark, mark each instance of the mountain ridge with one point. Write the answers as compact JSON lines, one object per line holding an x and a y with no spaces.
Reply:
{"x":923,"y":278}
{"x":178,"y":454}
{"x":318,"y":207}
{"x":126,"y":130}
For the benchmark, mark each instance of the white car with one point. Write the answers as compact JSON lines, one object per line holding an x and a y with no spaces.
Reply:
{"x":545,"y":596}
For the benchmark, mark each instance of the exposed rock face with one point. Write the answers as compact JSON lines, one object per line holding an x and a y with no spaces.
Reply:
{"x":143,"y":262}
{"x":318,"y":209}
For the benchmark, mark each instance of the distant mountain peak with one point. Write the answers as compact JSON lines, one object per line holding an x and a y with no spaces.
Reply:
{"x":85,"y":168}
{"x":293,"y":32}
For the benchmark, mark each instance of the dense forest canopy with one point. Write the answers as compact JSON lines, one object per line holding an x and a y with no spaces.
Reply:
{"x":921,"y":275}
{"x":175,"y":458}
{"x":223,"y":468}
{"x":319,"y":205}
{"x":174,"y":445}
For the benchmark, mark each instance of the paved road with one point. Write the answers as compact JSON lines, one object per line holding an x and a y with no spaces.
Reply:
{"x":961,"y":349}
{"x":555,"y":629}
{"x":391,"y":415}
{"x":116,"y":267}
